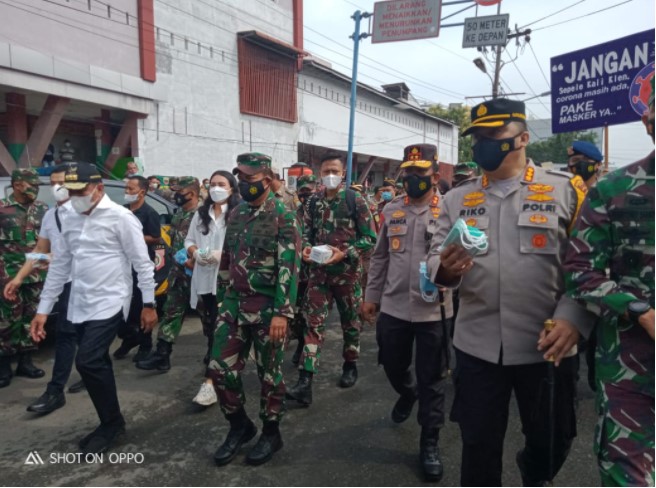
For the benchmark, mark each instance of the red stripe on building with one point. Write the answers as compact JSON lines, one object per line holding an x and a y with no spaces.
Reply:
{"x":146,"y":15}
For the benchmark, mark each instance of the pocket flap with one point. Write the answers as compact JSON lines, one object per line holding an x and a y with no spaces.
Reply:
{"x":481,"y":223}
{"x":397,"y":230}
{"x":540,"y":220}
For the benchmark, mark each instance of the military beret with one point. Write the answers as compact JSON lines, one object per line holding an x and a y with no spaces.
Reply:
{"x":185,"y":181}
{"x":419,"y":156}
{"x":78,"y":175}
{"x":306,"y":180}
{"x":29,"y":175}
{"x":252,"y":163}
{"x":585,"y":148}
{"x":496,"y":113}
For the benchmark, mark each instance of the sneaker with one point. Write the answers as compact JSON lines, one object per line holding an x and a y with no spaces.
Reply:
{"x":206,"y":396}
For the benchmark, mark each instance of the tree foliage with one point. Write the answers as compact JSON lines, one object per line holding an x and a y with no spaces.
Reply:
{"x":554,"y":148}
{"x":459,"y":115}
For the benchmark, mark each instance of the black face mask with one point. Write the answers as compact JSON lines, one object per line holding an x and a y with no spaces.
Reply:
{"x":251,"y":191}
{"x":585,"y":169}
{"x":490,"y":153}
{"x":180,"y":199}
{"x":417,"y":186}
{"x":304,"y":196}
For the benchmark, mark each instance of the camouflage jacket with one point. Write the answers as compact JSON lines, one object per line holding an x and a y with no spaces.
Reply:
{"x":289,"y":198}
{"x":180,"y":228}
{"x":19,"y":231}
{"x":262,"y":248}
{"x":610,"y":262}
{"x":331,"y":223}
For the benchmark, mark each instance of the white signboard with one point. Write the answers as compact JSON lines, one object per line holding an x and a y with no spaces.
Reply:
{"x":403,"y":20}
{"x":490,"y":30}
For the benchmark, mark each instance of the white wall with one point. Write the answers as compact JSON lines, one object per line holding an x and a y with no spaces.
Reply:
{"x":196,"y":127}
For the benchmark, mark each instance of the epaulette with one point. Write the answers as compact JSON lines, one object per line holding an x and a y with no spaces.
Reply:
{"x":560,"y":173}
{"x":396,"y":199}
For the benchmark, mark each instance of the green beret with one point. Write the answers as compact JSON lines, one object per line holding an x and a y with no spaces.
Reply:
{"x":25,"y":174}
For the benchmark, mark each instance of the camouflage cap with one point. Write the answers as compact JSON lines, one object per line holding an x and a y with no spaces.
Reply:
{"x":252,"y":163}
{"x":306,"y":180}
{"x":29,"y":175}
{"x":184,"y":182}
{"x":467,"y":168}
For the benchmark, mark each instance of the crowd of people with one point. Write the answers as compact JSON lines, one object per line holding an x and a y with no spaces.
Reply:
{"x":263,"y":265}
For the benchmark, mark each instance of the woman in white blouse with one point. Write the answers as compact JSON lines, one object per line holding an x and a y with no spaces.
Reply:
{"x":205,"y":243}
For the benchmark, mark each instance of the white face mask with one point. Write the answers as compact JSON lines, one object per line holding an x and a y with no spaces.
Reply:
{"x":219,"y":194}
{"x":83,"y":204}
{"x":331,"y":181}
{"x":153,"y":186}
{"x":59,"y":192}
{"x":130,"y":198}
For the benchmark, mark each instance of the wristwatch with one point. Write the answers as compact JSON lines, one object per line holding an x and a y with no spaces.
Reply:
{"x":149,"y":305}
{"x":635,"y":309}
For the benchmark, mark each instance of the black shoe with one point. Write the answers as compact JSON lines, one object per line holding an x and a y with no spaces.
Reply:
{"x":297,"y":353}
{"x":159,"y":360}
{"x":263,"y":451}
{"x":349,"y":375}
{"x":26,"y":368}
{"x":124,"y":349}
{"x":142,"y":354}
{"x":238,"y":435}
{"x":429,"y":455}
{"x":48,"y":402}
{"x":101,"y":439}
{"x":5,"y":371}
{"x":402,"y":409}
{"x":77,"y":387}
{"x":302,"y":390}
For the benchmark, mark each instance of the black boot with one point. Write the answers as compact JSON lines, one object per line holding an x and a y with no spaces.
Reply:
{"x":349,"y":375}
{"x":5,"y":371}
{"x":126,"y":346}
{"x":403,"y":408}
{"x":299,"y":350}
{"x":242,"y":430}
{"x":26,"y":368}
{"x":159,"y":360}
{"x":429,"y":455}
{"x":302,"y":390}
{"x":142,"y":353}
{"x":269,"y":442}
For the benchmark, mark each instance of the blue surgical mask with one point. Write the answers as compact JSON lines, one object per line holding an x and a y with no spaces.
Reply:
{"x":387,"y":195}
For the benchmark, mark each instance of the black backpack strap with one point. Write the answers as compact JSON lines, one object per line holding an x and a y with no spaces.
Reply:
{"x":58,"y":220}
{"x":350,"y":203}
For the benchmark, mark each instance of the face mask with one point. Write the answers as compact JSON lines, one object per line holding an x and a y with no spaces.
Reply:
{"x":490,"y":153}
{"x":386,"y":196}
{"x":60,"y":193}
{"x":130,"y":198}
{"x":304,"y":196}
{"x":206,"y":185}
{"x":219,"y":194}
{"x":331,"y":181}
{"x":31,"y":192}
{"x":251,"y":191}
{"x":417,"y":186}
{"x":153,"y":186}
{"x":471,"y":239}
{"x":180,"y":199}
{"x":585,"y":169}
{"x":83,"y":204}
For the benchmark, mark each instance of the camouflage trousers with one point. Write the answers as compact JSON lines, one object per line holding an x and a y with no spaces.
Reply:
{"x":346,"y":291}
{"x":15,"y":318}
{"x":176,"y":304}
{"x":624,"y":436}
{"x":298,"y":323}
{"x":232,"y":343}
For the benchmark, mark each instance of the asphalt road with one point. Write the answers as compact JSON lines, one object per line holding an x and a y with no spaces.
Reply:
{"x":345,"y":439}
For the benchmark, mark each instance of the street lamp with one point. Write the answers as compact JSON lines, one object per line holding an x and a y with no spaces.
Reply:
{"x":480,"y":64}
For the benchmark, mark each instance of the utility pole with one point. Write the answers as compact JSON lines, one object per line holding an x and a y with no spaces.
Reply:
{"x":357,"y":37}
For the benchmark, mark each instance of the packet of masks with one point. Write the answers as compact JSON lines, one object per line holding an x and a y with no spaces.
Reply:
{"x":321,"y":254}
{"x":428,"y":289}
{"x":473,"y":240}
{"x":181,"y":258}
{"x":37,"y":256}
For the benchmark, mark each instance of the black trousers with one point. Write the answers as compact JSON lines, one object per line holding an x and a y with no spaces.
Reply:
{"x":482,"y":398}
{"x":65,"y":345}
{"x":130,"y":331}
{"x":95,"y":367}
{"x":210,"y":315}
{"x":396,"y":339}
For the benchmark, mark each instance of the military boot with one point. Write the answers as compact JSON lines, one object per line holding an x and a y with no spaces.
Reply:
{"x":429,"y":455}
{"x":269,"y":442}
{"x":26,"y":368}
{"x":302,"y":390}
{"x":159,"y":360}
{"x":5,"y":371}
{"x":242,"y":430}
{"x":349,"y":375}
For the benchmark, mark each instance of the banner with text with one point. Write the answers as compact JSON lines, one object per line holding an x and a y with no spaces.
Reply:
{"x":601,"y":85}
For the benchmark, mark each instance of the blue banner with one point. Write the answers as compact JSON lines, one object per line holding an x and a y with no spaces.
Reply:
{"x":602,"y":85}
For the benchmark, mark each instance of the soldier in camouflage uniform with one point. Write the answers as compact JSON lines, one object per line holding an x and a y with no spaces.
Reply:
{"x":305,"y":187}
{"x":20,"y":220}
{"x":365,"y":257}
{"x":177,"y":298}
{"x":281,"y":191}
{"x":262,"y":250}
{"x":610,"y":267}
{"x":339,"y":218}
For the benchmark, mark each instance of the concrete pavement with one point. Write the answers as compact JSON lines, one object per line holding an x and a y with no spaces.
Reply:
{"x":345,"y":439}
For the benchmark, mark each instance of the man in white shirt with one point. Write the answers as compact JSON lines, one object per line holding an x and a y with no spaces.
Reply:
{"x":101,"y":242}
